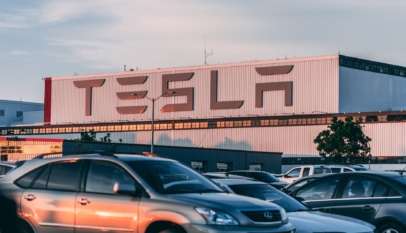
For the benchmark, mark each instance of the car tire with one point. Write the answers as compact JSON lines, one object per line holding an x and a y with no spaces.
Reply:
{"x":391,"y":228}
{"x":172,"y":230}
{"x":24,"y":227}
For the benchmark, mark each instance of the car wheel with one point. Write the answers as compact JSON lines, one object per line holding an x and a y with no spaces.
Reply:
{"x":172,"y":230}
{"x":24,"y":227}
{"x":391,"y":228}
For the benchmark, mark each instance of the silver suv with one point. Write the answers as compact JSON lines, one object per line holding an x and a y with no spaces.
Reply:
{"x":101,"y":192}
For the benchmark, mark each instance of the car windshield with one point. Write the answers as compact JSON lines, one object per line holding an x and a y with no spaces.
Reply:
{"x":168,"y":177}
{"x":268,"y":193}
{"x":264,"y":177}
{"x":294,"y":186}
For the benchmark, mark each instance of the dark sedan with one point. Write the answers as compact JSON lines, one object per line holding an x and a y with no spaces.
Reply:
{"x":378,"y":198}
{"x":290,"y":188}
{"x":260,"y":176}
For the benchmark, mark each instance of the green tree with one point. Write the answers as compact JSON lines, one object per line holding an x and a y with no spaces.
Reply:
{"x":90,"y":136}
{"x":87,"y":136}
{"x":344,"y":141}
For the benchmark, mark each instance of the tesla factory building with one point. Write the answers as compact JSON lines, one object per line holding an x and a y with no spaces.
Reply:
{"x":262,"y":106}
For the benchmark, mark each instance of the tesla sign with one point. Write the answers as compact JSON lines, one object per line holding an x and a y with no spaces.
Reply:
{"x":260,"y":88}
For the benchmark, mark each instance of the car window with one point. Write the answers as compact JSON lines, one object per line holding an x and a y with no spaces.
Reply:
{"x":102,"y":176}
{"x":264,"y":177}
{"x":380,"y":190}
{"x":267,"y":193}
{"x":294,"y":173}
{"x":335,"y":170}
{"x":393,"y":193}
{"x":2,"y":170}
{"x":347,"y":170}
{"x":65,"y":175}
{"x":359,"y":187}
{"x":321,"y":170}
{"x":299,"y":184}
{"x":26,"y":180}
{"x":306,"y":171}
{"x":42,"y":180}
{"x":168,"y":177}
{"x":319,"y":189}
{"x":7,"y":169}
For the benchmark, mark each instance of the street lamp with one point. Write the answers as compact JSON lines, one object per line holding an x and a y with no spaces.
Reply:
{"x":153,"y":113}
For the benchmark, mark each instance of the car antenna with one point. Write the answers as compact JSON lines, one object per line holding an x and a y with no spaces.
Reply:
{"x":401,"y":173}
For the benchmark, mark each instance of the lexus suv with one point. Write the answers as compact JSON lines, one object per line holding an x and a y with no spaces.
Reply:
{"x":102,"y":192}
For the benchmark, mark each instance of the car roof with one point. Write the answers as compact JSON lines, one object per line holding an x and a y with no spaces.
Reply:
{"x":225,"y":176}
{"x":249,"y":171}
{"x":237,"y":181}
{"x":31,"y":164}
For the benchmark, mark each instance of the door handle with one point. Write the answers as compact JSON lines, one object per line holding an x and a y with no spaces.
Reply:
{"x":30,"y":197}
{"x":84,"y":201}
{"x":323,"y":210}
{"x":367,"y":207}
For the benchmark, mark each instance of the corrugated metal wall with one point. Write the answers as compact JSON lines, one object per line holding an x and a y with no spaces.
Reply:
{"x":240,"y":160}
{"x":364,"y":91}
{"x":315,"y":88}
{"x":388,"y":138}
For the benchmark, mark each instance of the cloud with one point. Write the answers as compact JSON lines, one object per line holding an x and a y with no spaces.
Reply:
{"x":18,"y":53}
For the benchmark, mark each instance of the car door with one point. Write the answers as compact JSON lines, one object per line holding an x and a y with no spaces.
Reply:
{"x":292,"y":175}
{"x":99,"y":208}
{"x":49,"y":201}
{"x":319,"y":194}
{"x":360,"y":198}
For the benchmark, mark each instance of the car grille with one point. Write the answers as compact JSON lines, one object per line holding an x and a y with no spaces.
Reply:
{"x":259,"y":216}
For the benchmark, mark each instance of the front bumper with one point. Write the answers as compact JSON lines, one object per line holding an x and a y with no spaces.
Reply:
{"x":197,"y":228}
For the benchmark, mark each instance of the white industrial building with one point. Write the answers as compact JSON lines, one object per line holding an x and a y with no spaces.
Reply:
{"x":267,"y":106}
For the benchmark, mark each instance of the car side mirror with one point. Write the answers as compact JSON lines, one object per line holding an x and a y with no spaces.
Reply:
{"x":301,"y":199}
{"x":285,"y":190}
{"x":125,"y":188}
{"x":285,"y":176}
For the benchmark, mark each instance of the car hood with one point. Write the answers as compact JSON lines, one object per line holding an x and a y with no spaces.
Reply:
{"x":224,"y":201}
{"x":315,"y":221}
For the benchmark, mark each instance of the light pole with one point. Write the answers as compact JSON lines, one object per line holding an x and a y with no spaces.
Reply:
{"x":153,"y":113}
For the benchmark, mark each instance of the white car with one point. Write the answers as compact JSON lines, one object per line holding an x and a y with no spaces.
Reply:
{"x":303,"y":218}
{"x":341,"y":168}
{"x":303,"y":171}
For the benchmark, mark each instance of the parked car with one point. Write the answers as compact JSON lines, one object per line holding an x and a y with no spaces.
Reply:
{"x":305,"y":220}
{"x":99,"y":192}
{"x":260,"y":176}
{"x":222,"y":175}
{"x":5,"y":167}
{"x":290,"y":188}
{"x":303,"y":171}
{"x":375,"y":197}
{"x":359,"y":168}
{"x":341,"y":168}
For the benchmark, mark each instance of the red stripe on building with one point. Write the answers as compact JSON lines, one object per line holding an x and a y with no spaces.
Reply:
{"x":47,"y":101}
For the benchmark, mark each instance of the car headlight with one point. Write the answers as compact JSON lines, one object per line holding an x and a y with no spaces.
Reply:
{"x":284,"y":216}
{"x":215,"y":217}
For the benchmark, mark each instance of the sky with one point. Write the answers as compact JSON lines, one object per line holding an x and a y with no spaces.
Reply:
{"x":51,"y":38}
